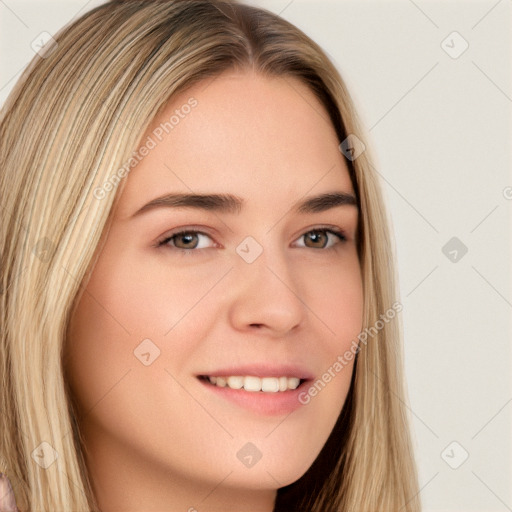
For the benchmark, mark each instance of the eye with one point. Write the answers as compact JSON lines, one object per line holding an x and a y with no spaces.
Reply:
{"x":186,"y":240}
{"x":322,"y":238}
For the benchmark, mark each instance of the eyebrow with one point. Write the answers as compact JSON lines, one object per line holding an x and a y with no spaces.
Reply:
{"x":228,"y":203}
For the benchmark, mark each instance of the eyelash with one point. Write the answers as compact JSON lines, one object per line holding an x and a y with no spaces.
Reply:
{"x":165,"y":241}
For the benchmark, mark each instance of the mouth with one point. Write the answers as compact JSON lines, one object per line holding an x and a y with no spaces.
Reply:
{"x":254,"y":384}
{"x":261,"y":389}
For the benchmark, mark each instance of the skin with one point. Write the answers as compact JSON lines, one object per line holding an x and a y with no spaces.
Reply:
{"x":7,"y":500}
{"x":157,"y":439}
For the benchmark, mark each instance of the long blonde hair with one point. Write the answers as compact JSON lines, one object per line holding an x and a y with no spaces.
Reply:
{"x":73,"y":119}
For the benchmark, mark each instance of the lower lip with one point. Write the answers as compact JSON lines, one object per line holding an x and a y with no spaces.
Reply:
{"x":260,"y":402}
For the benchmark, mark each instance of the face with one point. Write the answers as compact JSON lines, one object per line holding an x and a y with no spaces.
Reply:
{"x":195,"y":304}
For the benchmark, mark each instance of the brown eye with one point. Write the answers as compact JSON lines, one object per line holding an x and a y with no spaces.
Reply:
{"x":187,"y":240}
{"x":320,"y":238}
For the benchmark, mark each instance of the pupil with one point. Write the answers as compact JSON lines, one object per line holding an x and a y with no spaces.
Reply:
{"x":187,"y":239}
{"x":316,"y":237}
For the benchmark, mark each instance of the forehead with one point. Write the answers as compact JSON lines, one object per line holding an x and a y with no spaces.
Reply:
{"x":242,"y":133}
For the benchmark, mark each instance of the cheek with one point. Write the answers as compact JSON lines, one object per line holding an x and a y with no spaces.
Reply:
{"x":149,"y":296}
{"x":339,"y":305}
{"x":125,"y":302}
{"x":134,"y":296}
{"x":335,"y":297}
{"x":110,"y":320}
{"x":98,"y":349}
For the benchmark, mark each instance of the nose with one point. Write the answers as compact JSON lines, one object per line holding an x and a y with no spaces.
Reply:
{"x":266,"y":296}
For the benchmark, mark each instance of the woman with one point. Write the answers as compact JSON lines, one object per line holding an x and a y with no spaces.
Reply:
{"x":198,"y":308}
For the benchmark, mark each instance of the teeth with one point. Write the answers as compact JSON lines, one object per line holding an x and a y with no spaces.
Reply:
{"x":235,"y":382}
{"x":270,"y":385}
{"x":293,"y":383}
{"x":250,"y":383}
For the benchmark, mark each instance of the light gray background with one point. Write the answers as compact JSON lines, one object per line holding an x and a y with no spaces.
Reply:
{"x":441,"y":129}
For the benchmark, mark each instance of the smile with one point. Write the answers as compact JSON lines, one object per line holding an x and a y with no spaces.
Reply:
{"x":255,"y":384}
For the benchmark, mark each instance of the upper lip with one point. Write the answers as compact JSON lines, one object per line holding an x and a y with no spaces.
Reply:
{"x":262,"y":370}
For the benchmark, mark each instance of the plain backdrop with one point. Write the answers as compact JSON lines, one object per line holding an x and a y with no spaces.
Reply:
{"x":432,"y":82}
